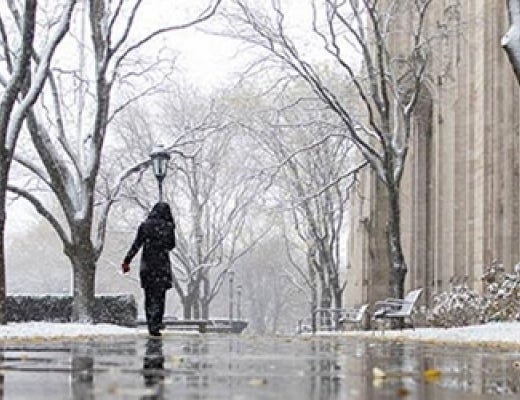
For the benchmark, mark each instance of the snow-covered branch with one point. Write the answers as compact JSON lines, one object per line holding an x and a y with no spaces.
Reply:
{"x":29,"y":165}
{"x":203,"y":16}
{"x":42,"y":210}
{"x":40,"y":75}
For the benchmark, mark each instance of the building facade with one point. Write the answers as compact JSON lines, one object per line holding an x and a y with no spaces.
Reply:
{"x":460,"y":193}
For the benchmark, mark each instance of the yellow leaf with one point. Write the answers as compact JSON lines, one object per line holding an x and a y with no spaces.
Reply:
{"x":432,"y":375}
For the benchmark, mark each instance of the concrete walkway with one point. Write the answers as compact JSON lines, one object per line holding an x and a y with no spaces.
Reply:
{"x":213,"y":366}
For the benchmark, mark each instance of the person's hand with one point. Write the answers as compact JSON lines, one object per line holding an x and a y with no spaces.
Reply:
{"x":125,"y":267}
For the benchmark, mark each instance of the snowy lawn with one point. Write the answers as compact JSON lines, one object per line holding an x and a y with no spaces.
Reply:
{"x":48,"y":330}
{"x":491,"y":334}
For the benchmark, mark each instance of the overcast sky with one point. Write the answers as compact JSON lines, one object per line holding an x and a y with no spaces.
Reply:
{"x":204,"y":60}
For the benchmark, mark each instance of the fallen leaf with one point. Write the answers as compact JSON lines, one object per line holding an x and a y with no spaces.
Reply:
{"x":403,"y":392}
{"x":378,"y":373}
{"x":378,"y":382}
{"x":258,"y":381}
{"x":177,"y":361}
{"x":432,"y":375}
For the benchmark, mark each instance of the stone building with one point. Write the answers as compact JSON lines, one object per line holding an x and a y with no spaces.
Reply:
{"x":460,"y":192}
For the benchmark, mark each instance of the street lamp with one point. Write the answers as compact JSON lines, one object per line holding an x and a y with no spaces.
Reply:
{"x":159,"y":157}
{"x":239,"y":302}
{"x":231,"y":275}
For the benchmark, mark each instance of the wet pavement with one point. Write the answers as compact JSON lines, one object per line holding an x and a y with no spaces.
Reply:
{"x":213,"y":366}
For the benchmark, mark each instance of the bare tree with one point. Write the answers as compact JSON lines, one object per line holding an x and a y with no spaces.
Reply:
{"x":271,"y":301}
{"x":312,"y":176}
{"x":212,"y":192}
{"x":22,"y":80}
{"x":511,"y":40}
{"x":357,"y":38}
{"x":70,"y":142}
{"x":218,"y":190}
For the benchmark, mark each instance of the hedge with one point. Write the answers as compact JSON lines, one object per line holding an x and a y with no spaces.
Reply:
{"x":116,"y":309}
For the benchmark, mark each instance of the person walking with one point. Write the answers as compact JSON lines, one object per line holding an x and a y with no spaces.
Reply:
{"x":157,"y":237}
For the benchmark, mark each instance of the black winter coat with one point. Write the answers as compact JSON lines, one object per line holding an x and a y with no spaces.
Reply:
{"x":157,"y":236}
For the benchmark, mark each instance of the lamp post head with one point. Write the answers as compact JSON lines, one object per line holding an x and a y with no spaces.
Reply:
{"x":159,"y":157}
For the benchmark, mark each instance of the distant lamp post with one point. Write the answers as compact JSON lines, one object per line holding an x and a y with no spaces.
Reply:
{"x":239,"y":302}
{"x":159,"y":157}
{"x":231,"y":276}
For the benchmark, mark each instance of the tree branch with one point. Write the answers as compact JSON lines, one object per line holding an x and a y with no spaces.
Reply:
{"x":40,"y":208}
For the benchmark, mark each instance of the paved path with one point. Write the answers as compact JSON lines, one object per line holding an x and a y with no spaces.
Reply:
{"x":234,"y":367}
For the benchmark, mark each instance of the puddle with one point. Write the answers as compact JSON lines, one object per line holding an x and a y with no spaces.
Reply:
{"x":235,"y":367}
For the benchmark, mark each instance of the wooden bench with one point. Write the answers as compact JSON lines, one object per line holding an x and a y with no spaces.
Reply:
{"x":391,"y":308}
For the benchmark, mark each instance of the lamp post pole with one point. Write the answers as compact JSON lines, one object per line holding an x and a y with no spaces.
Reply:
{"x":231,"y":275}
{"x":239,"y":302}
{"x":159,"y":182}
{"x":159,"y":157}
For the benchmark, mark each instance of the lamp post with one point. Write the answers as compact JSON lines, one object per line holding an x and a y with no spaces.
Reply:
{"x":159,"y":157}
{"x":231,"y":275}
{"x":239,"y":302}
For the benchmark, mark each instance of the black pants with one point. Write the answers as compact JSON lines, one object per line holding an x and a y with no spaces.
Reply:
{"x":154,"y":299}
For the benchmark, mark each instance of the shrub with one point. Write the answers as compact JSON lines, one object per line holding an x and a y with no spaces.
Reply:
{"x":119,"y":309}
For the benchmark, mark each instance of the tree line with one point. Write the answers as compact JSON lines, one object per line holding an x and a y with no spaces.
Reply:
{"x":276,"y":153}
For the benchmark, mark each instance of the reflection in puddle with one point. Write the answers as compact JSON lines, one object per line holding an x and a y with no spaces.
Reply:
{"x":153,"y":368}
{"x":82,"y":372}
{"x":238,"y":367}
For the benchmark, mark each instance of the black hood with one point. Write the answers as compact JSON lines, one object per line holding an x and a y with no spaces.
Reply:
{"x":161,"y":211}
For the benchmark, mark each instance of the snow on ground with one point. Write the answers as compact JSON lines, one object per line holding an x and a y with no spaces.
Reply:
{"x":491,"y":334}
{"x":48,"y":330}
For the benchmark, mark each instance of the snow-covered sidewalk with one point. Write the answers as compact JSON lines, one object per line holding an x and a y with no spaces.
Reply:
{"x":492,"y":334}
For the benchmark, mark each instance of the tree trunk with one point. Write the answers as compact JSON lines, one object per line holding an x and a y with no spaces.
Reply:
{"x":204,"y":309}
{"x":314,"y":296}
{"x":3,"y":309}
{"x":17,"y":83}
{"x":325,"y":299}
{"x":398,"y":267}
{"x":186,"y":308}
{"x":337,"y":293}
{"x":334,"y":290}
{"x":189,"y":302}
{"x":196,"y":302}
{"x":83,"y":258}
{"x":204,"y":301}
{"x":84,"y":272}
